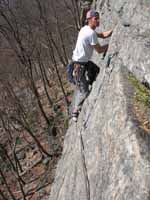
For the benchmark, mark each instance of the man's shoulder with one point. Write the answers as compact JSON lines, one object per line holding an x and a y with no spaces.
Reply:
{"x":87,"y":30}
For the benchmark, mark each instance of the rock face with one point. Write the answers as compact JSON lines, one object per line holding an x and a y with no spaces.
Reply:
{"x":106,"y":154}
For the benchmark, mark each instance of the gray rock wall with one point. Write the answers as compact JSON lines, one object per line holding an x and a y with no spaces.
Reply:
{"x":106,"y":154}
{"x":132,"y":33}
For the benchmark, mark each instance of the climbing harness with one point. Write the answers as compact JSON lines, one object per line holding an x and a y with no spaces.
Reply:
{"x":69,"y":70}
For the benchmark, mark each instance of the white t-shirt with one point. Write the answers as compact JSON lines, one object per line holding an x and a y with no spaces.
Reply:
{"x":83,"y":50}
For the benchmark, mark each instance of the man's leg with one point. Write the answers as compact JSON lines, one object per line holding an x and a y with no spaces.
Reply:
{"x":92,"y":72}
{"x":82,"y":91}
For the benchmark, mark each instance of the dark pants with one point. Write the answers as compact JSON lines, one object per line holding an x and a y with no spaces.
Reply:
{"x":86,"y":76}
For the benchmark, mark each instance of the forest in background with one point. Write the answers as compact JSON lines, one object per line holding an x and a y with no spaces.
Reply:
{"x":36,"y":42}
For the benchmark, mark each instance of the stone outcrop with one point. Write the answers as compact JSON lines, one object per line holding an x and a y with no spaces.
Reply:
{"x":106,"y":153}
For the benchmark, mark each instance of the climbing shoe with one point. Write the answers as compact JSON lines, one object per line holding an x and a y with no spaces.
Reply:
{"x":75,"y":116}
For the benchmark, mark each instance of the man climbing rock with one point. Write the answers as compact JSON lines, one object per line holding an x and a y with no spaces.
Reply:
{"x":87,"y":41}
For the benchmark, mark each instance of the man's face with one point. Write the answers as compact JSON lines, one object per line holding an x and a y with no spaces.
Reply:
{"x":95,"y":21}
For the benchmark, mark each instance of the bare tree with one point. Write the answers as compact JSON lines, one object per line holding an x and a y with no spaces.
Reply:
{"x":39,"y":38}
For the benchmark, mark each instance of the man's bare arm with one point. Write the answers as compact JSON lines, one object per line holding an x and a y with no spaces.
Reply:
{"x":105,"y":34}
{"x":100,"y":49}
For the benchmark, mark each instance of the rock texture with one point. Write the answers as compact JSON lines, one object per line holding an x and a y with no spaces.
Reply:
{"x":106,"y":154}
